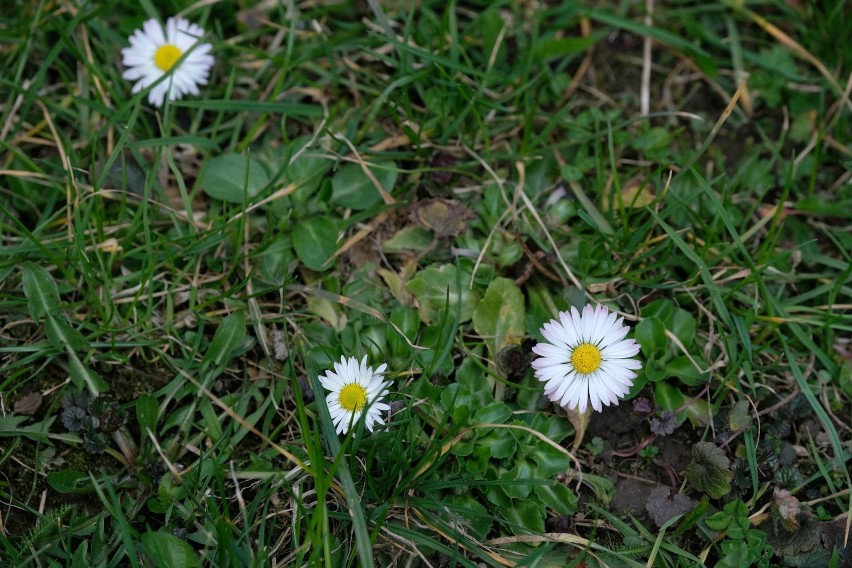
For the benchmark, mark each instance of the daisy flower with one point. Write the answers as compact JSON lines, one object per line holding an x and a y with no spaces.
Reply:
{"x":155,"y":51}
{"x":355,"y":390}
{"x":586,"y":358}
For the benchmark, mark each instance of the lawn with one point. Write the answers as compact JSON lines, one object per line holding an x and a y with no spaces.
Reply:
{"x":296,"y":288}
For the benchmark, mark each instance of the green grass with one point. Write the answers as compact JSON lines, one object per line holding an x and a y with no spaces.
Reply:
{"x":426,"y":184}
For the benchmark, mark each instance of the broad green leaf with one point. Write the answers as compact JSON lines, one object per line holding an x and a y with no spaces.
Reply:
{"x":81,"y":556}
{"x":62,"y":336}
{"x":147,"y":410}
{"x":210,"y":419}
{"x":682,"y":369}
{"x":315,"y":241}
{"x":557,"y":497}
{"x":275,"y":262}
{"x":709,"y":470}
{"x":565,"y":48}
{"x":408,"y":322}
{"x":494,"y":413}
{"x":474,"y":377}
{"x":499,"y":316}
{"x":41,"y":291}
{"x":478,"y":462}
{"x":654,"y":368}
{"x":662,"y":309}
{"x":549,"y":460}
{"x":501,"y":444}
{"x":438,"y":289}
{"x":233,"y":178}
{"x":543,"y":307}
{"x":523,"y":471}
{"x":352,"y":188}
{"x":11,"y":425}
{"x":228,"y":336}
{"x":84,"y":377}
{"x":68,"y":481}
{"x":668,"y":397}
{"x":457,"y":400}
{"x":526,"y":516}
{"x":167,"y":550}
{"x":473,"y":514}
{"x":651,"y":335}
{"x":682,"y":326}
{"x":308,"y":168}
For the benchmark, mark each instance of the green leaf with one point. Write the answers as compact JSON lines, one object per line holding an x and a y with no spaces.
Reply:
{"x":494,"y":413}
{"x":308,"y":169}
{"x":549,"y":460}
{"x":500,"y":442}
{"x":526,"y":516}
{"x":68,"y":481}
{"x":471,"y":375}
{"x":655,"y":368}
{"x":473,"y":513}
{"x":558,"y":497}
{"x":682,"y":325}
{"x":668,"y":397}
{"x":434,"y":287}
{"x":147,"y":410}
{"x":457,"y":400}
{"x":733,"y":518}
{"x":651,"y":335}
{"x":81,"y":556}
{"x":351,"y":187}
{"x":408,"y":322}
{"x":683,"y":369}
{"x":522,"y":472}
{"x":315,"y":241}
{"x":228,"y":337}
{"x":276,"y":260}
{"x":709,"y":470}
{"x":41,"y":291}
{"x":62,"y":336}
{"x":83,"y":377}
{"x":166,"y":550}
{"x":233,"y":178}
{"x":564,"y":47}
{"x":499,"y":317}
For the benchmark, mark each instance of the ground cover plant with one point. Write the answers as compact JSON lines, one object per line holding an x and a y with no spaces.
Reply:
{"x":273,"y":291}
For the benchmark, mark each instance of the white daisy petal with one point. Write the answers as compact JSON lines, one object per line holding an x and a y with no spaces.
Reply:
{"x":356,"y":391}
{"x":178,"y":39}
{"x":585,"y":359}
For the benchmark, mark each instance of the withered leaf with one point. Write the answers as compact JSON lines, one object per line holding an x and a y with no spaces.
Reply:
{"x":833,"y":539}
{"x":444,"y":217}
{"x":28,"y":404}
{"x":739,"y":417}
{"x":665,"y":424}
{"x":790,"y":543}
{"x":662,"y":505}
{"x":787,"y":508}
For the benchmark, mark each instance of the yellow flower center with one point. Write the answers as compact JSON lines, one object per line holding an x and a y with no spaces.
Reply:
{"x":166,"y":56}
{"x":586,"y":358}
{"x":352,"y":397}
